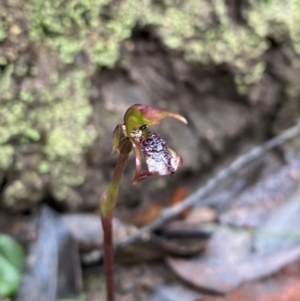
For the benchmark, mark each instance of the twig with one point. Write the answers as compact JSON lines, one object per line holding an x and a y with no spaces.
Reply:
{"x":202,"y":192}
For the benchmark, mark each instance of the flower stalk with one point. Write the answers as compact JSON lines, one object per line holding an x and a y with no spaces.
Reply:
{"x":134,"y":134}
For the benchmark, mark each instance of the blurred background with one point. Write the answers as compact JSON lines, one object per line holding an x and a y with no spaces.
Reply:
{"x":69,"y":69}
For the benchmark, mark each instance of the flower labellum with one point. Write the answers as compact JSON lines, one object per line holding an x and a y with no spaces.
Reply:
{"x":160,"y":159}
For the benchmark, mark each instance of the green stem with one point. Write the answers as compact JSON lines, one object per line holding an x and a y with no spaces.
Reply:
{"x":107,"y":205}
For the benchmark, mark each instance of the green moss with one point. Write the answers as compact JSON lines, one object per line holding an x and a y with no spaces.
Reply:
{"x":44,"y":131}
{"x":2,"y":34}
{"x":73,"y":27}
{"x":65,"y":122}
{"x":62,"y":118}
{"x":205,"y":33}
{"x":14,"y":192}
{"x":43,"y":167}
{"x":6,"y":83}
{"x":60,"y":115}
{"x":202,"y":29}
{"x":6,"y":156}
{"x":264,"y":15}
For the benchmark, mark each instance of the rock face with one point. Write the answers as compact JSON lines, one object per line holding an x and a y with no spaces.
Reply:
{"x":67,"y":76}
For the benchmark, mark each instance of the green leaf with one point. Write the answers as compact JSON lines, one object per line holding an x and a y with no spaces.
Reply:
{"x":11,"y":265}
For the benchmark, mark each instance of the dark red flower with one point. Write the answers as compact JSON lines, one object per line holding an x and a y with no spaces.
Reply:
{"x":160,"y":159}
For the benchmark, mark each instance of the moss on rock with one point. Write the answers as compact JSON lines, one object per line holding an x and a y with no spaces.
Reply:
{"x":50,"y":48}
{"x":276,"y":18}
{"x":202,"y":30}
{"x":74,"y":27}
{"x":44,"y":117}
{"x":55,"y":120}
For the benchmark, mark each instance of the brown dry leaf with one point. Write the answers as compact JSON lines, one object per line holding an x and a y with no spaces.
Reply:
{"x":226,"y":275}
{"x":178,"y":196}
{"x":284,"y":286}
{"x":148,"y":215}
{"x":218,"y":278}
{"x":197,"y":217}
{"x":151,"y":212}
{"x":267,"y":292}
{"x":255,"y":204}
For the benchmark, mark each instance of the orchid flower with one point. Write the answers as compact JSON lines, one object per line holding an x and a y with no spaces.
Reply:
{"x":160,"y":159}
{"x":135,"y":134}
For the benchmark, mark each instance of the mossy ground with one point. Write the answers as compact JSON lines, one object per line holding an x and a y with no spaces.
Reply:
{"x":49,"y":50}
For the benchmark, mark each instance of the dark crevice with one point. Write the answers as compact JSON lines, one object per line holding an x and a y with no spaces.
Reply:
{"x":55,"y":204}
{"x":3,"y":182}
{"x":235,"y":10}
